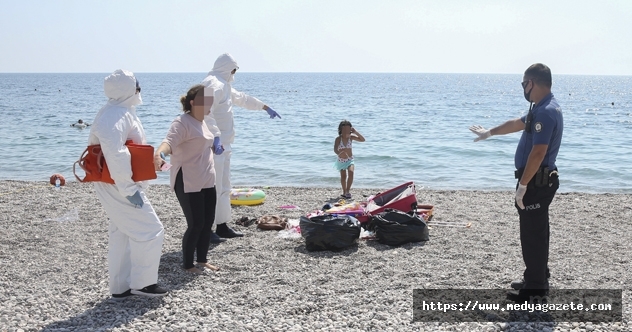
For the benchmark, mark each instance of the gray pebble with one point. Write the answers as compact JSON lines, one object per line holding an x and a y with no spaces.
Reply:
{"x":268,"y":283}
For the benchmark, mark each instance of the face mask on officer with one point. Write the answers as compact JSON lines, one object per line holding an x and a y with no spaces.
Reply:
{"x":527,"y":95}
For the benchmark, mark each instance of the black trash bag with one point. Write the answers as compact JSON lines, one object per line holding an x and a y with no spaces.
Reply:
{"x":328,"y":232}
{"x":394,"y":227}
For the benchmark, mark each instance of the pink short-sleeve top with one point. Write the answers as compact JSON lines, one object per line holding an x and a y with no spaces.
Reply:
{"x":191,"y":145}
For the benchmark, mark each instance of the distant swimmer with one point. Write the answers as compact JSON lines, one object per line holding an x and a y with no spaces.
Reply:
{"x":80,"y":124}
{"x":613,"y":103}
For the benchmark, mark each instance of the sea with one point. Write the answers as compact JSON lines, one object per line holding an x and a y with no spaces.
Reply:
{"x":415,"y":125}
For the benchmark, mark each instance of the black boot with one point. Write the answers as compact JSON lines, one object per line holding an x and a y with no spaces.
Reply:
{"x":528,"y":295}
{"x":216,"y":239}
{"x":519,"y":283}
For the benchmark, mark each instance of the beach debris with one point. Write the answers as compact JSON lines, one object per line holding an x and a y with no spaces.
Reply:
{"x":57,"y":180}
{"x":353,"y":208}
{"x":245,"y":221}
{"x":292,"y":230}
{"x":367,"y":235}
{"x":449,"y":224}
{"x":289,"y":207}
{"x":72,"y":215}
{"x":272,"y":222}
{"x":292,"y":233}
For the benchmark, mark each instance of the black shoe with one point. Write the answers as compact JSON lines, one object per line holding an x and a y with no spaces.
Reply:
{"x":122,"y":296}
{"x":528,"y":295}
{"x":216,"y":239}
{"x":150,"y":291}
{"x":519,"y":284}
{"x":227,"y":232}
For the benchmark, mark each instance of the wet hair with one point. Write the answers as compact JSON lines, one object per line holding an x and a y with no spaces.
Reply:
{"x":540,"y":74}
{"x":191,"y":94}
{"x":80,"y":121}
{"x":342,"y":124}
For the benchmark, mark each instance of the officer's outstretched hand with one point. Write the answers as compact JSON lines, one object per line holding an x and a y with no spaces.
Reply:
{"x":272,"y":113}
{"x":481,"y":132}
{"x":522,"y":189}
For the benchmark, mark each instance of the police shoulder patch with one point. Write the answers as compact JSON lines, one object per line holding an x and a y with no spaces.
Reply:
{"x":538,"y":127}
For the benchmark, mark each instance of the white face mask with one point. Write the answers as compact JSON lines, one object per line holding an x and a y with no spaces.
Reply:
{"x":132,"y":101}
{"x":231,"y":78}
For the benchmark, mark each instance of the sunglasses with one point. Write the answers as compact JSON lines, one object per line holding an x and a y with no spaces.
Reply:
{"x":137,"y":87}
{"x":524,"y":84}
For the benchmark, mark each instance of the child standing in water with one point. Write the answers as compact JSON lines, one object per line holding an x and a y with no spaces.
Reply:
{"x":342,"y":148}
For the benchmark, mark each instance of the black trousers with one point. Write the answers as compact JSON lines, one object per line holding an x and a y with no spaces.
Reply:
{"x":535,"y":233}
{"x":199,"y":210}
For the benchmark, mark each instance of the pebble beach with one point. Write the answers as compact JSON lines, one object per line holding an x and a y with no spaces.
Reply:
{"x":54,"y":243}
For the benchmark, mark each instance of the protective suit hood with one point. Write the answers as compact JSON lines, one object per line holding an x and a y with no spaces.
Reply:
{"x":223,"y":67}
{"x":120,"y":88}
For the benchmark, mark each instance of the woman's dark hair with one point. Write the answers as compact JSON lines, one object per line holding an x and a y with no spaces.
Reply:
{"x":342,"y":124}
{"x":186,"y":100}
{"x":540,"y":74}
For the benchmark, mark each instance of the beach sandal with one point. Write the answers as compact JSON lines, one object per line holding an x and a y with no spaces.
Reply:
{"x":245,"y":221}
{"x":207,"y":266}
{"x":348,"y":195}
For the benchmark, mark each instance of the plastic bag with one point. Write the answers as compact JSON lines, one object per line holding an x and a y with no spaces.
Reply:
{"x":366,"y":235}
{"x":292,"y":230}
{"x":292,"y":233}
{"x":394,"y":227}
{"x":328,"y":232}
{"x":72,"y":215}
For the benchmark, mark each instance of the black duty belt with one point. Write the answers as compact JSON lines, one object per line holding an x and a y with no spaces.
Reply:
{"x":541,"y":177}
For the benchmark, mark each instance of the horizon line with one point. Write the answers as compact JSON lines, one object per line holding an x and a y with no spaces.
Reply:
{"x":315,"y":72}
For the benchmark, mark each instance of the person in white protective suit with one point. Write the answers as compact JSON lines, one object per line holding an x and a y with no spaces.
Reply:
{"x":135,"y":232}
{"x":224,"y":97}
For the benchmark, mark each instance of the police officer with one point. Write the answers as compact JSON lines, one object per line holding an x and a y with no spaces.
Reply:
{"x":537,"y":176}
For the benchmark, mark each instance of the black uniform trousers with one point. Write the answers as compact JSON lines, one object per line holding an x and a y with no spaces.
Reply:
{"x":535,"y":233}
{"x":199,"y":211}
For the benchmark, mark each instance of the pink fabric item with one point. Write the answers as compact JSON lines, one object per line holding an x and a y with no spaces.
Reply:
{"x":191,"y":145}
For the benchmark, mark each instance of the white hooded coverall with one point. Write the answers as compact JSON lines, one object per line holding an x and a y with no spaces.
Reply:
{"x":135,"y":234}
{"x":224,"y":97}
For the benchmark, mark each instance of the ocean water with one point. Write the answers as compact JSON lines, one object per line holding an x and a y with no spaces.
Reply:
{"x":415,"y":125}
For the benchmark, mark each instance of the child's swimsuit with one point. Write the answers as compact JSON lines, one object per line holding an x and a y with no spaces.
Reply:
{"x":343,"y":163}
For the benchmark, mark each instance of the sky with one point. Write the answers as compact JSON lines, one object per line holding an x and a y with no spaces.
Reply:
{"x":580,"y":37}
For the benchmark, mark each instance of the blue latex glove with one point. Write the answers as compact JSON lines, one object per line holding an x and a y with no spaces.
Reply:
{"x":217,"y":146}
{"x":272,"y":113}
{"x":136,"y":200}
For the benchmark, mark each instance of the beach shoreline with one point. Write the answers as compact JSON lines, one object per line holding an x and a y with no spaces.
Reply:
{"x":53,"y":249}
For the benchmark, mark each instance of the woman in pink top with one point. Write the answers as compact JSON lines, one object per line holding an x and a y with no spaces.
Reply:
{"x":190,"y":143}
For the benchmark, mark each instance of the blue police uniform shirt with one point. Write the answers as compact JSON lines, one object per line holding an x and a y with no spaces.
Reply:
{"x":547,"y":126}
